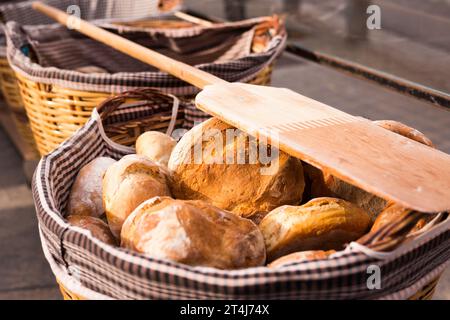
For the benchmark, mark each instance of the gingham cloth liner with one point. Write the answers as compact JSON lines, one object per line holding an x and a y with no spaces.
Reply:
{"x":56,"y":46}
{"x":237,"y":70}
{"x":89,"y":9}
{"x":117,"y":273}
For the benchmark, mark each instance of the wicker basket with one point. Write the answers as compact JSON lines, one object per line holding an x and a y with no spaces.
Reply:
{"x":413,"y":262}
{"x":57,"y":111}
{"x":24,"y":139}
{"x":24,"y":14}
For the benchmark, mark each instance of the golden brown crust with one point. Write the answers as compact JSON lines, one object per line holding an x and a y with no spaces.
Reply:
{"x":194,"y":233}
{"x":392,"y":212}
{"x":128,"y":183}
{"x":98,"y":228}
{"x":238,"y":187}
{"x":300,"y":256}
{"x":86,"y":193}
{"x":404,"y":130}
{"x":320,"y":224}
{"x":156,"y":146}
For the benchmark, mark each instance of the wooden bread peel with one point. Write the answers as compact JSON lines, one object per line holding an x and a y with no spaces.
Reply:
{"x":351,"y":148}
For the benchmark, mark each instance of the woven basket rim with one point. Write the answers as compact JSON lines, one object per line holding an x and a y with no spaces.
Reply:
{"x":21,"y":63}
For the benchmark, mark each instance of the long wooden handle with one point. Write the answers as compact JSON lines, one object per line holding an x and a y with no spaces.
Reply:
{"x":176,"y":68}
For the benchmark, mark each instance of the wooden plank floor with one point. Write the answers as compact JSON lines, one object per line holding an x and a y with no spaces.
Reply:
{"x":24,"y":273}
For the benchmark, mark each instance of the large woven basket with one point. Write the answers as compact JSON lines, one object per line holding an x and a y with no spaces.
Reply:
{"x":58,"y":101}
{"x":87,"y":268}
{"x":21,"y":12}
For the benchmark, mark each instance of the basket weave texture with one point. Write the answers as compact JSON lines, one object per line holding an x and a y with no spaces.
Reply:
{"x":90,"y":269}
{"x":58,"y":101}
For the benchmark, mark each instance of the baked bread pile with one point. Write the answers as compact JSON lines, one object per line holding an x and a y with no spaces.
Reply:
{"x":209,"y":201}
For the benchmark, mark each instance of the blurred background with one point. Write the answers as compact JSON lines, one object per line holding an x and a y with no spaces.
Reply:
{"x":332,"y":56}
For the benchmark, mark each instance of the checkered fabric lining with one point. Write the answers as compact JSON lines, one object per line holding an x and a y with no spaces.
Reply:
{"x":231,"y":64}
{"x":121,"y":274}
{"x":241,"y":69}
{"x":22,"y":12}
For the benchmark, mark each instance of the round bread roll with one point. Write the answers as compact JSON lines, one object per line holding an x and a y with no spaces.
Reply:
{"x":324,"y":184}
{"x":300,"y":256}
{"x":156,"y":146}
{"x":98,"y":228}
{"x":243,"y":188}
{"x":86,"y":195}
{"x":320,"y":224}
{"x":391,"y":213}
{"x":404,"y":130}
{"x":194,"y":233}
{"x":128,"y":183}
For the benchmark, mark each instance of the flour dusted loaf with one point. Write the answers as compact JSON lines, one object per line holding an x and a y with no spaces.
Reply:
{"x":96,"y":226}
{"x":193,"y":232}
{"x":86,"y":194}
{"x":300,"y":256}
{"x":156,"y":146}
{"x":324,"y":184}
{"x":129,"y":182}
{"x":320,"y":224}
{"x":244,"y":188}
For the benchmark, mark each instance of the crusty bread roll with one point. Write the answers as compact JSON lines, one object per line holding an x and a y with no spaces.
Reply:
{"x":128,"y":183}
{"x":241,"y":188}
{"x":194,"y":233}
{"x":391,"y":213}
{"x":300,"y":256}
{"x":320,"y":224}
{"x":404,"y":130}
{"x":324,"y":184}
{"x":156,"y":146}
{"x":98,"y":228}
{"x":86,"y":195}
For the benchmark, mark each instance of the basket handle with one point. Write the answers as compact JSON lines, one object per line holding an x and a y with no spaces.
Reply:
{"x":111,"y":104}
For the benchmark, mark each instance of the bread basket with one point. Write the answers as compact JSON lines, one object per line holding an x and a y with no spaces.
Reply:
{"x":86,"y":268}
{"x":22,"y":13}
{"x":58,"y":99}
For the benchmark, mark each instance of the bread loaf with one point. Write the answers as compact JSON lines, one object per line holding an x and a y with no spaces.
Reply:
{"x":127,"y":184}
{"x":324,"y":184}
{"x":320,"y":224}
{"x":243,"y":188}
{"x":194,"y":233}
{"x":391,"y":213}
{"x":156,"y":146}
{"x":97,"y":227}
{"x":300,"y":256}
{"x":86,"y":194}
